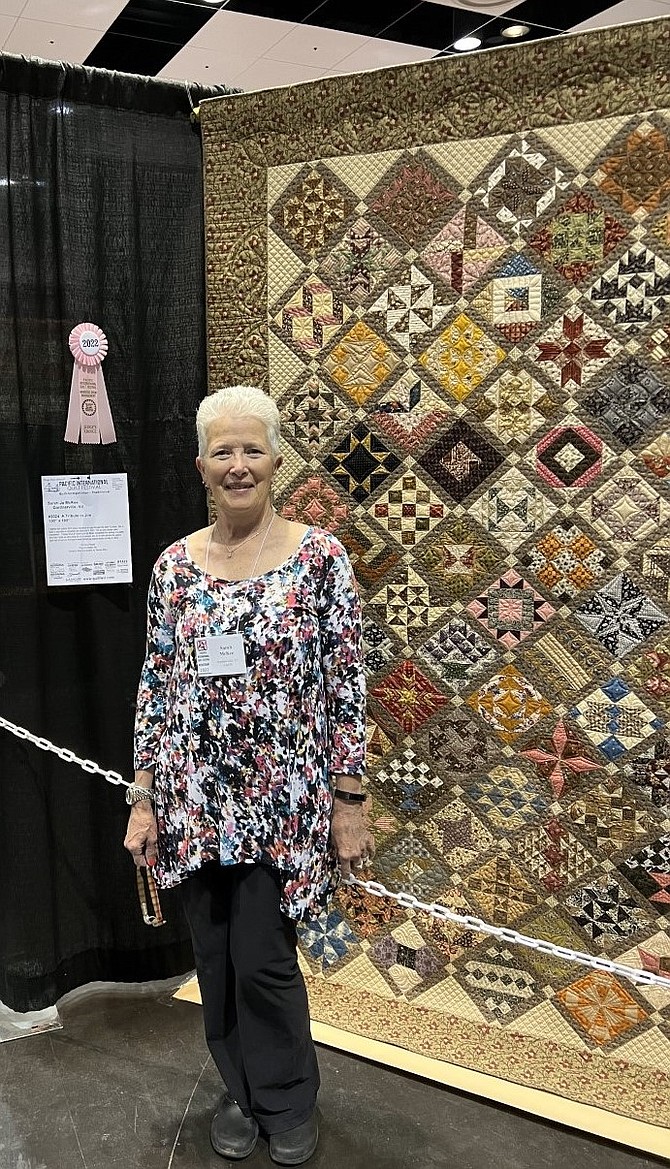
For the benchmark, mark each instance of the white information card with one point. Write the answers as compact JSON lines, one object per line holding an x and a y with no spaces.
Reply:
{"x":87,"y":529}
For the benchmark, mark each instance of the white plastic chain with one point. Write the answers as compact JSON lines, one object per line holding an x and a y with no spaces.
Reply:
{"x":63,"y":753}
{"x":407,"y":901}
{"x":404,"y":900}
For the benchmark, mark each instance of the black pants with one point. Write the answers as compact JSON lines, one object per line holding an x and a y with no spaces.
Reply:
{"x":253,"y":995}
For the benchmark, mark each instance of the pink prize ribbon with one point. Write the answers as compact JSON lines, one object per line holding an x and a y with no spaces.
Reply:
{"x":89,"y":418}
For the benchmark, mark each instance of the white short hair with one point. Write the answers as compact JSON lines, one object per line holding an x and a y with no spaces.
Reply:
{"x":238,"y":401}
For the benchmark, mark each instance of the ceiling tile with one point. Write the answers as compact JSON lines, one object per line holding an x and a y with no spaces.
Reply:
{"x":319,"y":47}
{"x":97,"y":14}
{"x":204,"y":67}
{"x":6,"y":25}
{"x":266,"y":74}
{"x":11,"y":7}
{"x":625,"y":13}
{"x":380,"y":54}
{"x":236,"y":32}
{"x":54,"y":42}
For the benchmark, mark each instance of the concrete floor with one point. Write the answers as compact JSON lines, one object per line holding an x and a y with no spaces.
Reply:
{"x":127,"y":1084}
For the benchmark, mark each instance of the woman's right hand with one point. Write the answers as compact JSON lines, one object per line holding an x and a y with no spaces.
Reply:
{"x":141,"y":834}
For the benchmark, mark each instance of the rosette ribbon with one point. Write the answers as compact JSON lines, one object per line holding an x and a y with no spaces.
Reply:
{"x":89,"y":418}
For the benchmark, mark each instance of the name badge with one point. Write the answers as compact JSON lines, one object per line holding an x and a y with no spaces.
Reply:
{"x":220,"y":655}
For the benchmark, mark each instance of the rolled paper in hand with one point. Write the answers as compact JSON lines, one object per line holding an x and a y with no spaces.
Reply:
{"x":89,"y":418}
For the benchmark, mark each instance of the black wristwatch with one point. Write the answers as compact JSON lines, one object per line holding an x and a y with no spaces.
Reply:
{"x":350,"y":797}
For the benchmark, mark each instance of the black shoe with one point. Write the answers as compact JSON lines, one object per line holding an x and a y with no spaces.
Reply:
{"x":296,"y":1145}
{"x":232,"y":1133}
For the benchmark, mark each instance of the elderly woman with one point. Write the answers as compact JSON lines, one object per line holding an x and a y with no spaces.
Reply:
{"x":250,"y":746}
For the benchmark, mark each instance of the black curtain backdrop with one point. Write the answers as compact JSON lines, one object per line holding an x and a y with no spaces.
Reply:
{"x":100,"y":220}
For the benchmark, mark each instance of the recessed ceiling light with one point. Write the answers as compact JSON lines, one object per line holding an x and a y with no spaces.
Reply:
{"x":515,"y":30}
{"x":465,"y":44}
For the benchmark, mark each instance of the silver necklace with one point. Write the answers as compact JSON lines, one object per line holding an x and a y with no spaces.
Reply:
{"x":253,"y":571}
{"x":254,"y":533}
{"x":227,"y":547}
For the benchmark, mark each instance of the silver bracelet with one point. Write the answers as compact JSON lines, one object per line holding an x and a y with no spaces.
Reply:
{"x":135,"y":793}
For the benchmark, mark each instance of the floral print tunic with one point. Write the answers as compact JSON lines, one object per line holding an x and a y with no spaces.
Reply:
{"x":243,"y":764}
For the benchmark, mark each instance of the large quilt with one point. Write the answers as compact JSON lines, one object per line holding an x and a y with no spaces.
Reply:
{"x":454,"y":278}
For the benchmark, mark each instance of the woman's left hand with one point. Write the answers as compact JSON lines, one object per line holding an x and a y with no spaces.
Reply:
{"x":353,"y":841}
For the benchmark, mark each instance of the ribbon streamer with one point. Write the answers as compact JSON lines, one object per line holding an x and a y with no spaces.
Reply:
{"x":89,"y":418}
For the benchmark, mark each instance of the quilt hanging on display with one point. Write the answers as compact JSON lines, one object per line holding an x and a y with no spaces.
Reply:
{"x":454,"y":278}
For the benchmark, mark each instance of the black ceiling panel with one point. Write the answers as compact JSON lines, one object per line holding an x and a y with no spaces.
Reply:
{"x":162,"y":20}
{"x":147,"y":34}
{"x":433,"y":25}
{"x":492,"y":34}
{"x":367,"y":20}
{"x":131,"y":54}
{"x":561,"y":15}
{"x":294,"y":11}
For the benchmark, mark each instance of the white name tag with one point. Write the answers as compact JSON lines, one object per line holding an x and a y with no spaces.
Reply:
{"x":220,"y":655}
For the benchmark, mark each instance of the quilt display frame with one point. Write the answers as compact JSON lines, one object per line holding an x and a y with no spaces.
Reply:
{"x":454,"y":278}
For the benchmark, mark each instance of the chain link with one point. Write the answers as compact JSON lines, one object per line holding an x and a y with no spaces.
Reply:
{"x":403,"y":899}
{"x":504,"y":934}
{"x":63,"y":753}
